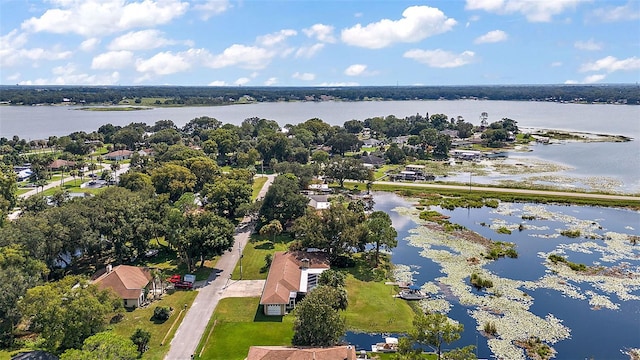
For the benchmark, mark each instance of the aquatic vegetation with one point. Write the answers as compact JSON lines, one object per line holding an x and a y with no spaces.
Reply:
{"x":499,"y":249}
{"x":503,"y":230}
{"x":536,"y":349}
{"x":570,"y":233}
{"x":479,"y":282}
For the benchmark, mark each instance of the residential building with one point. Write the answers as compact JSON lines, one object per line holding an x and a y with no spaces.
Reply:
{"x":129,"y":282}
{"x":345,"y":352}
{"x":291,"y":275}
{"x":118,"y":155}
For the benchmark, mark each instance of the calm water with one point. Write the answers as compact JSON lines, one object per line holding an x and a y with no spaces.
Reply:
{"x":599,"y":334}
{"x":618,"y":161}
{"x":36,"y":122}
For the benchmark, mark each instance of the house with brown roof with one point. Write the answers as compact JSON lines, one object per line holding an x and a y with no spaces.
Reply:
{"x":346,"y":352}
{"x":291,"y":275}
{"x":118,"y":155}
{"x":59,"y":164}
{"x":128,"y":282}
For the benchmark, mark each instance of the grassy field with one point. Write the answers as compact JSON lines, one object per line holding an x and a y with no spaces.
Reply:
{"x":141,"y":318}
{"x":257,"y":186}
{"x":415,"y":190}
{"x":74,"y":187}
{"x":253,"y":263}
{"x":239,"y":324}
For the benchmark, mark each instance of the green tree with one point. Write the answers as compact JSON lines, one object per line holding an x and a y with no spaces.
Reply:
{"x":141,"y":339}
{"x":283,"y":202}
{"x":103,"y":346}
{"x":332,"y":278}
{"x":381,"y":233}
{"x":353,"y":126}
{"x":68,"y":311}
{"x":173,"y":179}
{"x":18,"y":272}
{"x":343,"y":142}
{"x":273,"y":228}
{"x":198,"y":235}
{"x":434,"y":330}
{"x":136,"y":181}
{"x":226,"y":197}
{"x":342,"y":168}
{"x":317,"y":323}
{"x":8,"y":189}
{"x":395,"y":154}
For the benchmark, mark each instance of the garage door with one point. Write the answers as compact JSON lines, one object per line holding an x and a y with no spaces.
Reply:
{"x":273,"y":310}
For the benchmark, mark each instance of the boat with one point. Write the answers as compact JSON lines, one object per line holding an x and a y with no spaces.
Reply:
{"x":390,"y":344}
{"x":412,"y":293}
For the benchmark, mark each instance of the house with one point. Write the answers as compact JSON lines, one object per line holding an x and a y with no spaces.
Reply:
{"x":323,"y":188}
{"x":291,"y":275}
{"x":118,"y":155}
{"x":59,"y":164}
{"x":372,"y":160}
{"x":128,"y":282}
{"x":345,"y":352}
{"x":371,"y":142}
{"x":319,"y":202}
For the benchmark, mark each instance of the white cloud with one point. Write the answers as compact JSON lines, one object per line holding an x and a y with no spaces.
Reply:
{"x":100,"y":17}
{"x":533,"y":10}
{"x":271,"y":81}
{"x":242,"y":81}
{"x":112,"y":60}
{"x":218,"y":83}
{"x":321,"y":32}
{"x":556,"y":64}
{"x":89,"y":44}
{"x":417,"y":23}
{"x":309,"y":51}
{"x":589,"y":45}
{"x":12,"y":51}
{"x":276,"y":38}
{"x":211,"y":7}
{"x":304,"y":76}
{"x":492,"y":37}
{"x":355,"y":70}
{"x":339,"y":84}
{"x":571,"y":82}
{"x":164,"y":63}
{"x":594,"y":78}
{"x":248,"y":57}
{"x":611,"y":64}
{"x":141,"y":40}
{"x":68,"y":75}
{"x":625,"y":12}
{"x":440,"y":58}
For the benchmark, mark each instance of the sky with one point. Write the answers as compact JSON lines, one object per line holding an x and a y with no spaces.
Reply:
{"x":319,"y":42}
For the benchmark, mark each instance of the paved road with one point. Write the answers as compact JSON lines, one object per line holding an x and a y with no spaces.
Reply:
{"x":193,"y":325}
{"x":509,"y":190}
{"x":14,"y":215}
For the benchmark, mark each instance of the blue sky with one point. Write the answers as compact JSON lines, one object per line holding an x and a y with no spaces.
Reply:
{"x":319,"y":43}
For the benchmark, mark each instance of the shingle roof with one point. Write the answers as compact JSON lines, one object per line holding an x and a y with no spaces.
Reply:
{"x":288,"y":353}
{"x":284,"y":274}
{"x":125,"y":280}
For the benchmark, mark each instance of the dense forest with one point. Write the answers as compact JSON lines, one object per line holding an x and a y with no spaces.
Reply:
{"x":191,"y":95}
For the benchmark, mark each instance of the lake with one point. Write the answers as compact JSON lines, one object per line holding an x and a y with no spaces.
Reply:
{"x":599,"y":319}
{"x":613,"y":167}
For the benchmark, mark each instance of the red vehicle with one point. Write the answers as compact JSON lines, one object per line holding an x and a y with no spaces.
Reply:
{"x":175,"y":279}
{"x":183,"y":285}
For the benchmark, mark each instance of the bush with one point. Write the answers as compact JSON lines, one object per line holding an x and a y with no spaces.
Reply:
{"x":480,"y":283}
{"x":116,"y":318}
{"x":490,"y":328}
{"x":161,"y":313}
{"x":570,"y":233}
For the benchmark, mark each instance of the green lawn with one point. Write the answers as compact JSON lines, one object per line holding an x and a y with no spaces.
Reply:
{"x":239,"y":324}
{"x":166,"y":261}
{"x":372,"y":308}
{"x":257,"y":186}
{"x":74,"y":187}
{"x":141,"y":318}
{"x":254,"y":253}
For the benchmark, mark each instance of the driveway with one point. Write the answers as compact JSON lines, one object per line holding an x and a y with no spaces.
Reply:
{"x":218,"y":286}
